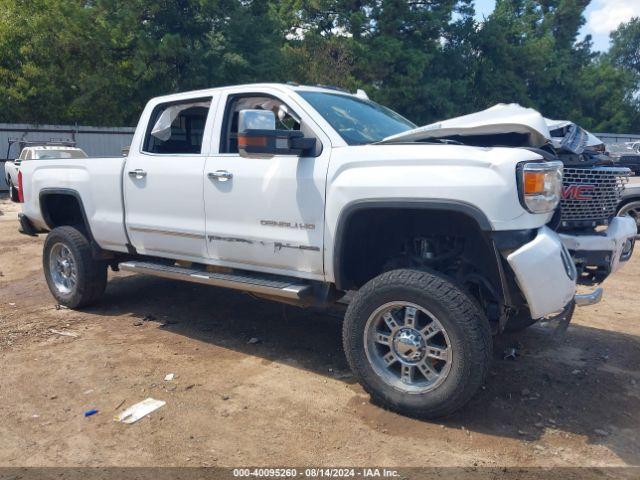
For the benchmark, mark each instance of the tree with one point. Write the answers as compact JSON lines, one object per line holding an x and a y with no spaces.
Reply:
{"x":99,"y":61}
{"x":625,"y":46}
{"x":604,"y":99}
{"x":529,"y":54}
{"x":412,"y":55}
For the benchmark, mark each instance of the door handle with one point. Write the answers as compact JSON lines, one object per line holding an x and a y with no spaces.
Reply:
{"x":138,"y":173}
{"x":220,"y":175}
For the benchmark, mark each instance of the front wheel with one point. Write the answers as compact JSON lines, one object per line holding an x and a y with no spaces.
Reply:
{"x":74,"y":277}
{"x":417,"y":343}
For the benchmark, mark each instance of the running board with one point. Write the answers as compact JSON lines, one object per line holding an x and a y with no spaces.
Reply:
{"x":257,"y":283}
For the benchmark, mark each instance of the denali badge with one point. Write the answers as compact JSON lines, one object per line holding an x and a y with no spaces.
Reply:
{"x":301,"y":226}
{"x":578,"y":192}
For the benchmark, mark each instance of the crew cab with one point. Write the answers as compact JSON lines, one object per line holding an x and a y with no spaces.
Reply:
{"x":439,"y":237}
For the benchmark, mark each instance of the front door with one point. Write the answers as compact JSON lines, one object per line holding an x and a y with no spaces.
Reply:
{"x":163,"y":181}
{"x":266,"y":213}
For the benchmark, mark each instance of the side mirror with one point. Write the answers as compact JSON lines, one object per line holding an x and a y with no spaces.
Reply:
{"x":258,"y":137}
{"x":256,"y":120}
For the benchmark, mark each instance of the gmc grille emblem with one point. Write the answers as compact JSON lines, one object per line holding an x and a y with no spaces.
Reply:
{"x":578,"y":192}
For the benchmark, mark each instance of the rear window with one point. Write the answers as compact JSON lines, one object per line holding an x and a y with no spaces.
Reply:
{"x":41,"y":154}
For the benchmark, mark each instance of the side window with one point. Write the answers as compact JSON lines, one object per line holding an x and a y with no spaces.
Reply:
{"x":23,"y":154}
{"x":286,"y":119}
{"x":176,"y":128}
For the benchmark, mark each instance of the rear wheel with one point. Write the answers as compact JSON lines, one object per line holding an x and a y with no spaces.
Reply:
{"x":417,"y":343}
{"x":74,"y":277}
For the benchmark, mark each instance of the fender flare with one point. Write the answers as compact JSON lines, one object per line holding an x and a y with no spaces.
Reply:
{"x":422,"y":204}
{"x":69,"y":192}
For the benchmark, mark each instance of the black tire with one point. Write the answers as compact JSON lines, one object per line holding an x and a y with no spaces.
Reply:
{"x":91,"y":274}
{"x":467,"y":331}
{"x":519,"y":322}
{"x":13,"y":193}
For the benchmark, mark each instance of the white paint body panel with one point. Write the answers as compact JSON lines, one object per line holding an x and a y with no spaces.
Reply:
{"x":239,"y":212}
{"x":480,"y":177}
{"x":165,"y":209}
{"x":501,"y":118}
{"x":11,"y":172}
{"x":541,"y":274}
{"x":242,"y":213}
{"x":98,"y":182}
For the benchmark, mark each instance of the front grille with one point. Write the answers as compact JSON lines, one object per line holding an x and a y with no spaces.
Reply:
{"x":591,"y":195}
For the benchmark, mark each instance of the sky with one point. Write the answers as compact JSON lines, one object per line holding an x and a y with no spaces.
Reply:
{"x":602,"y":16}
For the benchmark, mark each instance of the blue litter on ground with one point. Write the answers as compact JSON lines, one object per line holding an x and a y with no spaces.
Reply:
{"x":88,"y":413}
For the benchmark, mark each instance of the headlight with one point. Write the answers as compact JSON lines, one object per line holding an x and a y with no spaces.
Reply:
{"x":540,"y":186}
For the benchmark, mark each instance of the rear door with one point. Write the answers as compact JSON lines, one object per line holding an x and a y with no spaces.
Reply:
{"x":163,"y":180}
{"x":266,"y":214}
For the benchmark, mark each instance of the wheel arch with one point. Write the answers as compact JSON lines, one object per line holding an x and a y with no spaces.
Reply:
{"x":74,"y":213}
{"x":425,"y":205}
{"x":372,"y":236}
{"x":627,"y":200}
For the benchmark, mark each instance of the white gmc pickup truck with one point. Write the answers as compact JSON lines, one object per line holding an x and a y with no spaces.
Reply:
{"x":445,"y":235}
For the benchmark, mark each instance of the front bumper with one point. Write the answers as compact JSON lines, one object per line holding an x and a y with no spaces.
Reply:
{"x":545,"y":271}
{"x":600,"y":254}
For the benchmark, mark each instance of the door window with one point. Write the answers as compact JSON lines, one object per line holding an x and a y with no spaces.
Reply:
{"x":286,"y":119}
{"x":177,"y":128}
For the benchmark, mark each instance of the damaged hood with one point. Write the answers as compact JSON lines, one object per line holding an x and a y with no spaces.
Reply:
{"x":503,"y":119}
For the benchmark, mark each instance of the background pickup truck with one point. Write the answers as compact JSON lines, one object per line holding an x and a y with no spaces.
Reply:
{"x":37,"y":151}
{"x":303,"y":194}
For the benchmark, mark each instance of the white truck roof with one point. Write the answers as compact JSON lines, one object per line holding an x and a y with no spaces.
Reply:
{"x":284,"y":87}
{"x":50,"y":147}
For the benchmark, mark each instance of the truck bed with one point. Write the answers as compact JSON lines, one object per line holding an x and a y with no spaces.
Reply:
{"x":97,"y":180}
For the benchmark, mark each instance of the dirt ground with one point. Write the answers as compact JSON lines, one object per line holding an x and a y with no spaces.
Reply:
{"x":289,"y":399}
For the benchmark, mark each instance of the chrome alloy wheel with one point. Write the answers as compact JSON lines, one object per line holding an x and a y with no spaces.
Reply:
{"x":407,"y":347}
{"x":631,"y":209}
{"x":62,"y":267}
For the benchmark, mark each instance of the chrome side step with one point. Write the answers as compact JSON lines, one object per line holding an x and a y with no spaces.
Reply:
{"x":258,"y":283}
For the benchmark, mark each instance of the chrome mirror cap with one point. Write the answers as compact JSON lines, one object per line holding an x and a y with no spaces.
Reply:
{"x":256,"y":120}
